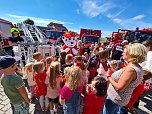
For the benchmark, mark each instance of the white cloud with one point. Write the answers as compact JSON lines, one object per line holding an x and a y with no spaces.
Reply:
{"x":138,"y":17}
{"x":131,"y":24}
{"x":111,"y":16}
{"x":38,"y":21}
{"x":92,"y":8}
{"x":117,"y":20}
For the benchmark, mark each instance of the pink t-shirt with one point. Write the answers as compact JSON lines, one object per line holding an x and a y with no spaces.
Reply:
{"x":66,"y":93}
{"x":53,"y":93}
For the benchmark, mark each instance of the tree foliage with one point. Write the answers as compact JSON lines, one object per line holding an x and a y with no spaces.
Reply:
{"x":29,"y":21}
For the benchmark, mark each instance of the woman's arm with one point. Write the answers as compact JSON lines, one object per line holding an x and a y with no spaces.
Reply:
{"x":125,"y":79}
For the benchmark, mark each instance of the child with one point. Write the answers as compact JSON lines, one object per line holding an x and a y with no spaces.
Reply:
{"x":13,"y":86}
{"x":94,"y":99}
{"x":62,"y":57}
{"x":40,"y":89}
{"x":37,"y":56}
{"x":103,"y":68}
{"x":28,"y":73}
{"x":53,"y":80}
{"x":71,"y":91}
{"x":86,"y":57}
{"x":54,"y":58}
{"x":48,"y":62}
{"x":113,"y":66}
{"x":78,"y":61}
{"x":85,"y":73}
{"x":65,"y":76}
{"x":69,"y":62}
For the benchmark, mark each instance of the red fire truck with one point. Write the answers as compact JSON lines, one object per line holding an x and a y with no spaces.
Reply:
{"x":89,"y":35}
{"x":132,"y":35}
{"x":53,"y":35}
{"x":5,"y":27}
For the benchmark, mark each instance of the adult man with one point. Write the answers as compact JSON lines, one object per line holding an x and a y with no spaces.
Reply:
{"x":12,"y":41}
{"x":117,"y":50}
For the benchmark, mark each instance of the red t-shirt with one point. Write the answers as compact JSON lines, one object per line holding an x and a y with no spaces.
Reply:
{"x":136,"y":93}
{"x":93,"y":104}
{"x":40,"y":88}
{"x":80,"y":50}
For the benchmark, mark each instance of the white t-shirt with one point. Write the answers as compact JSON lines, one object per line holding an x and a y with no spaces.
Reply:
{"x":102,"y":72}
{"x":30,"y":79}
{"x":147,"y":64}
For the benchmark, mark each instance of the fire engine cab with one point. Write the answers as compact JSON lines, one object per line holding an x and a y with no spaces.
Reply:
{"x":132,"y":35}
{"x":89,"y":35}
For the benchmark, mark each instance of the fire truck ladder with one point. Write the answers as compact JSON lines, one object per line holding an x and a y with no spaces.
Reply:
{"x":32,"y":33}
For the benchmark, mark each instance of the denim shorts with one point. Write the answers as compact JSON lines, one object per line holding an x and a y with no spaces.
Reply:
{"x":22,"y":108}
{"x":112,"y":108}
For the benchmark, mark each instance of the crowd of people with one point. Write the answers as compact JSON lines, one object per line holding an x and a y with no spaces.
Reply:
{"x":104,"y":78}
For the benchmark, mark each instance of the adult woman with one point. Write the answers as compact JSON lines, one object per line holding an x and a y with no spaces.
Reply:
{"x":124,"y":81}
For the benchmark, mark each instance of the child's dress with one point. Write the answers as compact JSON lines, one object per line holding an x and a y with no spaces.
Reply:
{"x":40,"y":88}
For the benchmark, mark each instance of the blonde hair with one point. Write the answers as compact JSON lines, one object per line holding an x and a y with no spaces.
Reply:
{"x":114,"y":62}
{"x":67,"y":72}
{"x":36,"y":55}
{"x":84,"y":66}
{"x":75,"y":78}
{"x":25,"y":69}
{"x":69,"y":58}
{"x":38,"y":66}
{"x":136,"y":52}
{"x":53,"y":71}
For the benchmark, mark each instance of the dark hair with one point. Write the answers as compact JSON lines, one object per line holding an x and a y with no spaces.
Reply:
{"x":100,"y":86}
{"x":62,"y":54}
{"x":148,"y":43}
{"x":104,"y":54}
{"x":78,"y":58}
{"x":96,"y":48}
{"x":147,"y":75}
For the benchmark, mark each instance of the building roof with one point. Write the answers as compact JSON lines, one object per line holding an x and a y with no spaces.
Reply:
{"x":57,"y":26}
{"x":5,"y":21}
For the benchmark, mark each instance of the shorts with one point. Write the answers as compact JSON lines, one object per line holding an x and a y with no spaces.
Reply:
{"x":55,"y":100}
{"x":22,"y":108}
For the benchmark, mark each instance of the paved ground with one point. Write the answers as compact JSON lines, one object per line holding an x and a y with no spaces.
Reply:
{"x":5,"y":108}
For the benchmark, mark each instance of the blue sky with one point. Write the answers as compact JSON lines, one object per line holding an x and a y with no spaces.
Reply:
{"x":107,"y":15}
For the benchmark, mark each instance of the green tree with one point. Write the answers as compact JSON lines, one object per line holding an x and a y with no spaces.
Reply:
{"x":29,"y":21}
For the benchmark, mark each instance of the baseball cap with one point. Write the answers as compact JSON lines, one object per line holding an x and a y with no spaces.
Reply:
{"x":7,"y":61}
